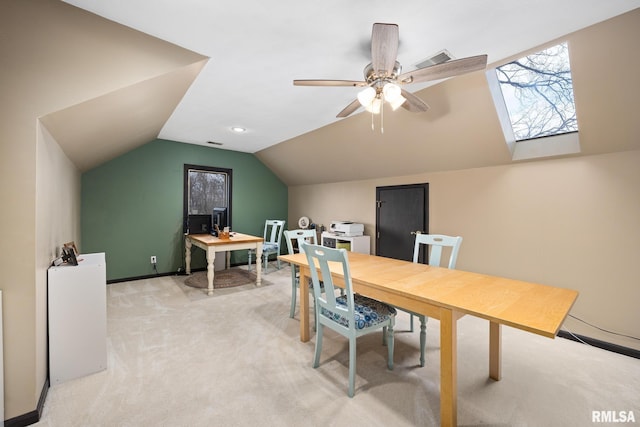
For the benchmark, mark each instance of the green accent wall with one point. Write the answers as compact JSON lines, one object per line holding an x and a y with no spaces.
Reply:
{"x":132,"y":206}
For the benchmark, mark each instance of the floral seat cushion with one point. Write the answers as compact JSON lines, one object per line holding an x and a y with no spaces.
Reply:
{"x":269,"y":246}
{"x":368,"y":312}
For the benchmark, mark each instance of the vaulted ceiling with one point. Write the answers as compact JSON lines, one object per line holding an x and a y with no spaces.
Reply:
{"x":256,"y":49}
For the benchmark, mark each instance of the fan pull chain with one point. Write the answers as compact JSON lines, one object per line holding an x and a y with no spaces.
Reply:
{"x":373,"y":127}
{"x":382,"y":114}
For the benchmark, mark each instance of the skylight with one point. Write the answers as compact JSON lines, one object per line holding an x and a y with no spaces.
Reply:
{"x":535,"y":104}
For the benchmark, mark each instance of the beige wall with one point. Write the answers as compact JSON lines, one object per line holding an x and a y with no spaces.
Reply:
{"x":570,"y":222}
{"x":17,"y":263}
{"x":38,"y":214}
{"x":57,"y":222}
{"x":48,"y":65}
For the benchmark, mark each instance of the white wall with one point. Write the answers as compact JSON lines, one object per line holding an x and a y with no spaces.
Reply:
{"x":572,"y":222}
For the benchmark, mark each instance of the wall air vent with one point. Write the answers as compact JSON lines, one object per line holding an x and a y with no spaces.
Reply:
{"x":443,"y":56}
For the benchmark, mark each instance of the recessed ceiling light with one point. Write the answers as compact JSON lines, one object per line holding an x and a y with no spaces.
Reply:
{"x":238,"y":129}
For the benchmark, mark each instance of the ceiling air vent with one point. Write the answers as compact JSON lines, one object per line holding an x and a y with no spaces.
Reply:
{"x":440,"y":57}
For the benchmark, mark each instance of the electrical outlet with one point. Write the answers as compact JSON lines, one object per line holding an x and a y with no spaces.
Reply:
{"x":153,"y":259}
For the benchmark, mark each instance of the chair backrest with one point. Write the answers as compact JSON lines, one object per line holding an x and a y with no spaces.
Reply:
{"x":273,"y":229}
{"x":436,"y":243}
{"x":300,"y":236}
{"x":325,"y":295}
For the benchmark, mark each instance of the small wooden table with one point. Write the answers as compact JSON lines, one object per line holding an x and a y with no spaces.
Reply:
{"x":211,"y":244}
{"x":448,"y":295}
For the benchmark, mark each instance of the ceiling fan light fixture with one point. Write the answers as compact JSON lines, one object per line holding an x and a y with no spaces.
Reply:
{"x":393,"y":95}
{"x":374,"y":106}
{"x":366,"y":96}
{"x":397,"y":103}
{"x":391,"y":92}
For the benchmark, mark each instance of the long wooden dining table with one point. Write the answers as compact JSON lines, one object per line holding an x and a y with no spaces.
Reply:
{"x":447,"y":295}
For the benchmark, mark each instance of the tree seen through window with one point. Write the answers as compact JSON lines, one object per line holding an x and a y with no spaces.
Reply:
{"x":538,"y":93}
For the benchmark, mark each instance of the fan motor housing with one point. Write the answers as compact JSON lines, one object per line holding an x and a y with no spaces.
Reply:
{"x":371,"y":76}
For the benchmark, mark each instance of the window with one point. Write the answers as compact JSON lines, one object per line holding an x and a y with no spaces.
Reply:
{"x":534,"y":101}
{"x":206,"y":188}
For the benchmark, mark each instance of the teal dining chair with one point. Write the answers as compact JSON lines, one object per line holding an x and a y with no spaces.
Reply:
{"x":297,"y":237}
{"x":434,"y":244}
{"x":272,"y":235}
{"x":350,"y":315}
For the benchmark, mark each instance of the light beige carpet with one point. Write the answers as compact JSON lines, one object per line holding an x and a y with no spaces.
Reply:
{"x":235,"y":359}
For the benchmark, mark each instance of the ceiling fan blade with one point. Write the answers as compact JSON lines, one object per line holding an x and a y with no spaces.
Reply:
{"x":413,"y":103}
{"x":446,"y":69}
{"x":384,"y":48}
{"x":349,"y":109}
{"x":329,"y":83}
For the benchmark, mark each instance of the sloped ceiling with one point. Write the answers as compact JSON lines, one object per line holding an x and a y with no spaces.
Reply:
{"x":100,"y":88}
{"x":111,"y":88}
{"x":113,"y":124}
{"x":461,"y":130}
{"x":257,"y":49}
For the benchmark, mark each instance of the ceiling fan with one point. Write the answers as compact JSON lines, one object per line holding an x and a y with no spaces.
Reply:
{"x":383,"y":79}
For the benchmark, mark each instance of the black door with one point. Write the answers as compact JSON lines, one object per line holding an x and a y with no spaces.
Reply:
{"x":401,"y":211}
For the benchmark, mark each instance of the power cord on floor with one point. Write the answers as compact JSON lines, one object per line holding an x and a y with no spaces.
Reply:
{"x":575,"y":337}
{"x":599,"y":328}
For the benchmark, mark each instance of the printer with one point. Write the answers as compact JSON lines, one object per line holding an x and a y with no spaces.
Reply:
{"x":346,"y":228}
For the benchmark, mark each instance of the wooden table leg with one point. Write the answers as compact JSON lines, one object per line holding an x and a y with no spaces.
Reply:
{"x":304,"y":305}
{"x":258,"y":263}
{"x":187,"y":255}
{"x":211,"y":257}
{"x":495,"y":351}
{"x":448,"y":368}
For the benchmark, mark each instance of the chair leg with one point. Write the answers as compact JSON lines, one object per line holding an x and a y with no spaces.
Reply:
{"x":411,"y":323}
{"x":390,"y":344}
{"x":294,"y":291}
{"x":352,"y":366}
{"x":316,"y":357}
{"x":384,"y":335}
{"x":423,"y":338}
{"x":249,"y":262}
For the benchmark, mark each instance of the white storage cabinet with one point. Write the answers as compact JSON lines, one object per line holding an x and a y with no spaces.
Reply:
{"x":77,"y":298}
{"x":361,"y":244}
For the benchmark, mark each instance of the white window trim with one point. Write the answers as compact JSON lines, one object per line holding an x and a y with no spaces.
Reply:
{"x":549,"y":146}
{"x":501,"y":109}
